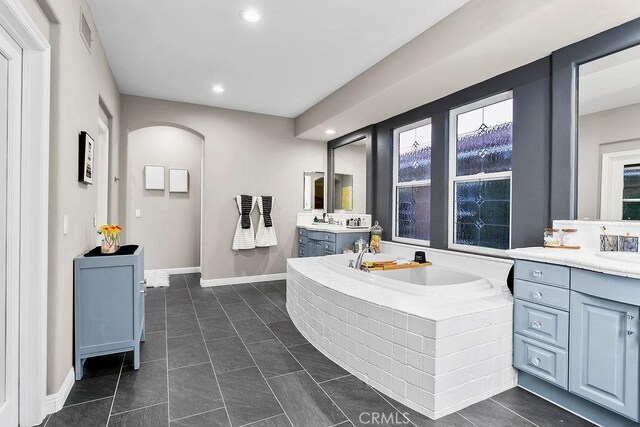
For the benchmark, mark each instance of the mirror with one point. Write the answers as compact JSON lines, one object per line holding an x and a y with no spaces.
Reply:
{"x":609,"y":137}
{"x":350,"y":177}
{"x":313,"y":190}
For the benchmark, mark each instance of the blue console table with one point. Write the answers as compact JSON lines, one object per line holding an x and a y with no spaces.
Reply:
{"x":109,"y":295}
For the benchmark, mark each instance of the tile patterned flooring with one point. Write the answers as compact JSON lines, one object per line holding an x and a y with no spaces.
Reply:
{"x":230,"y":356}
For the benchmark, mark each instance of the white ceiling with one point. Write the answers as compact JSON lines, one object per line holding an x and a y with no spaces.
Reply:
{"x":610,"y":82}
{"x":300,"y":52}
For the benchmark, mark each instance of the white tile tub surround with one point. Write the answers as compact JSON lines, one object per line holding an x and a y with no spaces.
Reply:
{"x":434,"y":355}
{"x":585,"y":258}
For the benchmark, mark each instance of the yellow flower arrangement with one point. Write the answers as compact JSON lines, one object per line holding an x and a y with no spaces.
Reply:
{"x":109,"y":232}
{"x":109,"y":237}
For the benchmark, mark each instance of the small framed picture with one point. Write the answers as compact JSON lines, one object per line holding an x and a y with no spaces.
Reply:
{"x":178,"y":181}
{"x":85,"y":163}
{"x":154,"y":177}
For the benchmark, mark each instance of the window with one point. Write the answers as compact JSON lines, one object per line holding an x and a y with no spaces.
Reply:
{"x":480,"y":175}
{"x":631,"y":193}
{"x":412,"y":183}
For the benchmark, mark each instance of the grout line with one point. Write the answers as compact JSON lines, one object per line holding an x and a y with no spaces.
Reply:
{"x":260,"y":421}
{"x":336,"y":378}
{"x":386,"y":399}
{"x":89,"y":401}
{"x":115,"y":392}
{"x":466,"y":419}
{"x":257,"y":367}
{"x":303,"y":369}
{"x":166,"y":329}
{"x":142,"y":407}
{"x":215,"y":375}
{"x":284,"y":375}
{"x":510,"y":410}
{"x":199,"y":413}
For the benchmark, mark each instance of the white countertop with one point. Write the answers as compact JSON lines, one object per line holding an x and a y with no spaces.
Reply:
{"x":580,"y":258}
{"x":333,"y":228}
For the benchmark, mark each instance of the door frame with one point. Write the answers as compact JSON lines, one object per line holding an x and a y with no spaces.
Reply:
{"x":612,"y":183}
{"x":34,"y":208}
{"x":103,"y":151}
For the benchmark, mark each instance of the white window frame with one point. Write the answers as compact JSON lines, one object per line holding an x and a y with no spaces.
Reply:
{"x":453,"y":179}
{"x":396,"y":184}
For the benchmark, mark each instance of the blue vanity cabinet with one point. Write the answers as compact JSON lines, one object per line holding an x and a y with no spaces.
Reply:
{"x":578,"y":330}
{"x":109,"y":305}
{"x":312,"y":243}
{"x":303,"y":243}
{"x":604,"y":353}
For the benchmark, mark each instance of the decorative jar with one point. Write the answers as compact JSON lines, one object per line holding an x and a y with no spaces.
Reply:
{"x":376,"y":237}
{"x":552,"y":237}
{"x":570,"y":238}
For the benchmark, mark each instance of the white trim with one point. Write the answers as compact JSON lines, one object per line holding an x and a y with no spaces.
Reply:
{"x":612,"y":183}
{"x":178,"y":270}
{"x":10,"y":359}
{"x":396,"y":184}
{"x":453,"y":178}
{"x":56,"y":401}
{"x":34,"y":208}
{"x":244,"y":279}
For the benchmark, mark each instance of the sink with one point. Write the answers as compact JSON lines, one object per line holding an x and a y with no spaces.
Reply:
{"x":620,"y":256}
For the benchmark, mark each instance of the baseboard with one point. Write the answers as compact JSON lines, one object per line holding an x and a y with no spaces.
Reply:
{"x":179,"y":270}
{"x":55,"y":401}
{"x":244,"y":279}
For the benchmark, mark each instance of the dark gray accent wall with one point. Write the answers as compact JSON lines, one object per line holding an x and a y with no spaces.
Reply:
{"x":531,"y":153}
{"x":368,"y":134}
{"x":565,"y":63}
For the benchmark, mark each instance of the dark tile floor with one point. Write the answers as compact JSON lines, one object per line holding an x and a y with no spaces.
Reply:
{"x":230,"y":356}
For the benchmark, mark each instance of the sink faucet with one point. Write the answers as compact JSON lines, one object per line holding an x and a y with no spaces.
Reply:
{"x":366,"y":249}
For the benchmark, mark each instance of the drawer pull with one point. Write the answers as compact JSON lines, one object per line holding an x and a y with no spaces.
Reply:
{"x":535,"y":361}
{"x":536,"y":325}
{"x":537,"y":295}
{"x":536,"y":273}
{"x":630,"y":317}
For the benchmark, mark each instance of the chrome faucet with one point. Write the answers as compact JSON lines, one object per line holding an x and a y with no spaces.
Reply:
{"x":367,"y":249}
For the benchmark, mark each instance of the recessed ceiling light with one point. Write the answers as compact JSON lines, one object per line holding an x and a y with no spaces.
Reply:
{"x":330,"y":131}
{"x":250,"y":15}
{"x":218,"y":89}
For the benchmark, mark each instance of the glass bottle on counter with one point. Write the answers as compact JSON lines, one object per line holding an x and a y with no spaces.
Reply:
{"x":552,"y":237}
{"x":376,"y":237}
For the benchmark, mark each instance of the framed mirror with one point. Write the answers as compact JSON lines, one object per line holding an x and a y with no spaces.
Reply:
{"x":313,"y":191}
{"x":595,"y":91}
{"x":609,"y":137}
{"x":350,"y":173}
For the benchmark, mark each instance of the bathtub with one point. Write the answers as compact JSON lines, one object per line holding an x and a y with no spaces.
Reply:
{"x":435,"y":338}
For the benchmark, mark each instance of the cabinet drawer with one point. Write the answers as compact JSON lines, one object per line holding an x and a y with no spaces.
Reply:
{"x":329,"y":247}
{"x":541,"y":360}
{"x":302,"y":232}
{"x":330,"y":237}
{"x":543,"y":323}
{"x":555,"y":275}
{"x":542,"y":294}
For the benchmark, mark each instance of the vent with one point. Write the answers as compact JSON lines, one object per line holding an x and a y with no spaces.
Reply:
{"x":85,"y":31}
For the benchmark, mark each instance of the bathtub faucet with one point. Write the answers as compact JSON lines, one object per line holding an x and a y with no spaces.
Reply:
{"x":366,"y":249}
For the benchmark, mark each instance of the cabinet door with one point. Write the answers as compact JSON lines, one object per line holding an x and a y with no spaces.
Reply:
{"x":603,"y":353}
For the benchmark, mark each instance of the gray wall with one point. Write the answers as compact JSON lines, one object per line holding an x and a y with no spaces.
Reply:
{"x":169,"y":227}
{"x":606,"y":131}
{"x":531,"y":154}
{"x":244,"y":153}
{"x":80,"y":81}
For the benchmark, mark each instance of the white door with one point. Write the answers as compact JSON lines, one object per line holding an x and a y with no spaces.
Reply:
{"x":101,"y":174}
{"x":10,"y":116}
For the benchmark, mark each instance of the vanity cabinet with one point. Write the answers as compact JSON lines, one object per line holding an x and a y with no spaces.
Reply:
{"x":578,"y":330}
{"x":321,"y":243}
{"x":109,"y":298}
{"x":604,"y":353}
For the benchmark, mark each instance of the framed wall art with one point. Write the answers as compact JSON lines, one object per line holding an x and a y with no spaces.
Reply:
{"x":85,"y":158}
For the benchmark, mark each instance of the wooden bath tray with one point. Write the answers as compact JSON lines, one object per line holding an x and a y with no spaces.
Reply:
{"x":389,"y":265}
